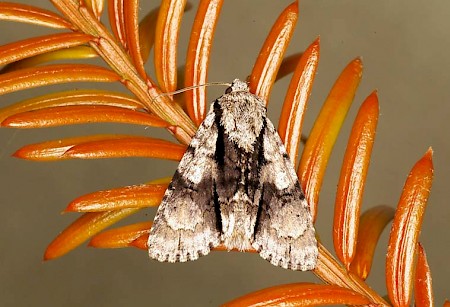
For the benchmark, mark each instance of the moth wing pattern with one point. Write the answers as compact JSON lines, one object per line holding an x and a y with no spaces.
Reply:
{"x":185,"y":225}
{"x":284,"y":233}
{"x":235,"y":185}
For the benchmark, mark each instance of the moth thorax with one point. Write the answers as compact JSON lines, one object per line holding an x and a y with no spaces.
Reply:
{"x":242,"y":118}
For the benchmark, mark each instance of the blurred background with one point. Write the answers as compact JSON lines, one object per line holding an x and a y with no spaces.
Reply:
{"x":404,"y":47}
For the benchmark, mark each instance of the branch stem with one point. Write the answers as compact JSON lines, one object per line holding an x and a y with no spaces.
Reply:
{"x":117,"y":58}
{"x":332,"y":272}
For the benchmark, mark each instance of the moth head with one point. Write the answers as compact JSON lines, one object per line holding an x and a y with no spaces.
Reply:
{"x":237,"y":86}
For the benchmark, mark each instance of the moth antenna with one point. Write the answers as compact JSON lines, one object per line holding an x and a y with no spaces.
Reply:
{"x":185,"y":89}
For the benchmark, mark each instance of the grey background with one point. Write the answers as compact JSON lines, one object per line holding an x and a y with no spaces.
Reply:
{"x":404,"y":45}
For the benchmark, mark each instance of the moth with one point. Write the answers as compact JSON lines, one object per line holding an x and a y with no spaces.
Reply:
{"x":235,"y":185}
